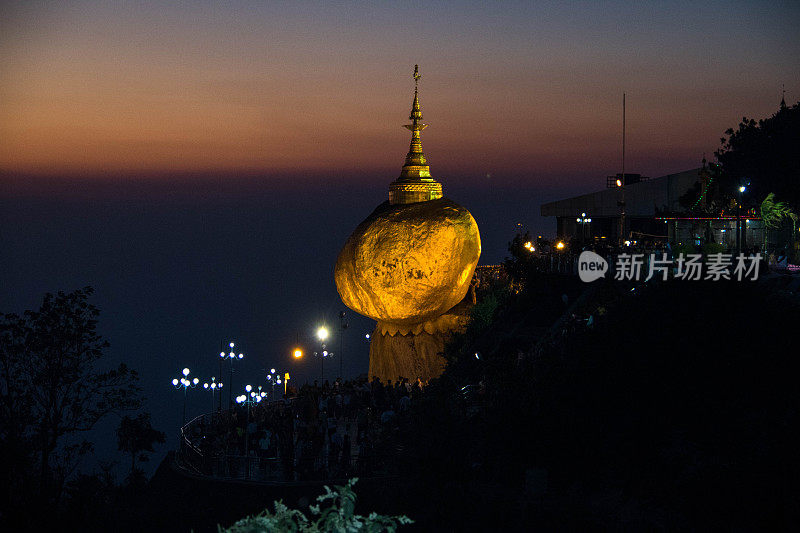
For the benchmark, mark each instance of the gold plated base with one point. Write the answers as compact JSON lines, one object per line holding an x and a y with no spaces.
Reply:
{"x":409,"y":356}
{"x":405,"y":192}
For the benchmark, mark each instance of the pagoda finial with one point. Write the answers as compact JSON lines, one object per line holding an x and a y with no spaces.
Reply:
{"x":416,"y":166}
{"x":783,"y":96}
{"x":416,"y":112}
{"x":415,"y":183}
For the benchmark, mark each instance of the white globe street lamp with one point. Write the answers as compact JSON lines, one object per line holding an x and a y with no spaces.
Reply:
{"x":213,"y":387}
{"x":583,"y":220}
{"x":230,"y":356}
{"x":273,"y":379}
{"x":322,"y":335}
{"x":185,"y":383}
{"x":251,"y":397}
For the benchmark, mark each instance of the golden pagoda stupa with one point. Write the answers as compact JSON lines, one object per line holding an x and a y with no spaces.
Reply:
{"x":409,"y":266}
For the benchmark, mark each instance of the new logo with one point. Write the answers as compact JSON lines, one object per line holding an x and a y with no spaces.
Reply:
{"x":591,"y":266}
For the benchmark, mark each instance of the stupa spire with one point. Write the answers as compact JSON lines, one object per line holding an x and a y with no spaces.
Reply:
{"x":415,"y":183}
{"x":416,"y":166}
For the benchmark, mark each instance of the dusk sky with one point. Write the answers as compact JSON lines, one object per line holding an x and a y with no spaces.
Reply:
{"x":523,"y":91}
{"x":201,"y":165}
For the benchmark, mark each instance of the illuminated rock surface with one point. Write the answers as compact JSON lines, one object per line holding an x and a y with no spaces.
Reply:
{"x":409,"y":263}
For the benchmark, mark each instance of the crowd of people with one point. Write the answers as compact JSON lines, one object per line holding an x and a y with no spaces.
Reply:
{"x":319,"y":432}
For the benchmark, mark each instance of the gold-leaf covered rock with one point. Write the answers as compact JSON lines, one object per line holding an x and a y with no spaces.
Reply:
{"x":407,"y":263}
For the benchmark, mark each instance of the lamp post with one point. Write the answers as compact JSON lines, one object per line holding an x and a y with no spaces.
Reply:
{"x":298,"y":354}
{"x":740,"y":230}
{"x":213,"y":387}
{"x":272,"y":379}
{"x":249,"y":398}
{"x":185,"y":383}
{"x":322,"y":335}
{"x":583,"y":220}
{"x":231,"y":356}
{"x":343,"y":325}
{"x":621,"y":182}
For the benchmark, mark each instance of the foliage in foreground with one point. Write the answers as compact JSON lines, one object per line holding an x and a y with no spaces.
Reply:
{"x":338,"y":516}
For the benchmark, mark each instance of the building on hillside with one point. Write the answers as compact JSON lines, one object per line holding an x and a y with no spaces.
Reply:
{"x":652,"y":213}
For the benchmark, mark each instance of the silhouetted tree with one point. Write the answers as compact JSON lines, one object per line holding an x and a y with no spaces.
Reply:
{"x":51,"y":388}
{"x":16,"y":414}
{"x":136,"y":436}
{"x":765,"y":155}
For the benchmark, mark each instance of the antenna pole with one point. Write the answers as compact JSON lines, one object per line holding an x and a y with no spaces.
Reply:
{"x":622,"y":203}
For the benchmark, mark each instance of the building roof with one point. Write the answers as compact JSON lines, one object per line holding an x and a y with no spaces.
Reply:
{"x":641,"y":199}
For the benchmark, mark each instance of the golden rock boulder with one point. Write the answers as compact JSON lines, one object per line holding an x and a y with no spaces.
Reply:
{"x":408,"y":263}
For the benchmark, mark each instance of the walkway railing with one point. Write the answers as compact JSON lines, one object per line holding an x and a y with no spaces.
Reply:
{"x":204,"y":459}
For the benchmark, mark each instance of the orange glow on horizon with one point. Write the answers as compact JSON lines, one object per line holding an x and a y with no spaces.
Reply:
{"x":93,"y":89}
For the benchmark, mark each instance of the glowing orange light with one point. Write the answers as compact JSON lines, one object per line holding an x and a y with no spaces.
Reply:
{"x":298,"y":353}
{"x":560,"y":245}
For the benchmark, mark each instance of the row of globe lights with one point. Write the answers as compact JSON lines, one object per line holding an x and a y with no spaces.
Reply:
{"x":255,"y":398}
{"x":273,"y":377}
{"x":185,"y":383}
{"x":270,"y":377}
{"x":215,"y":385}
